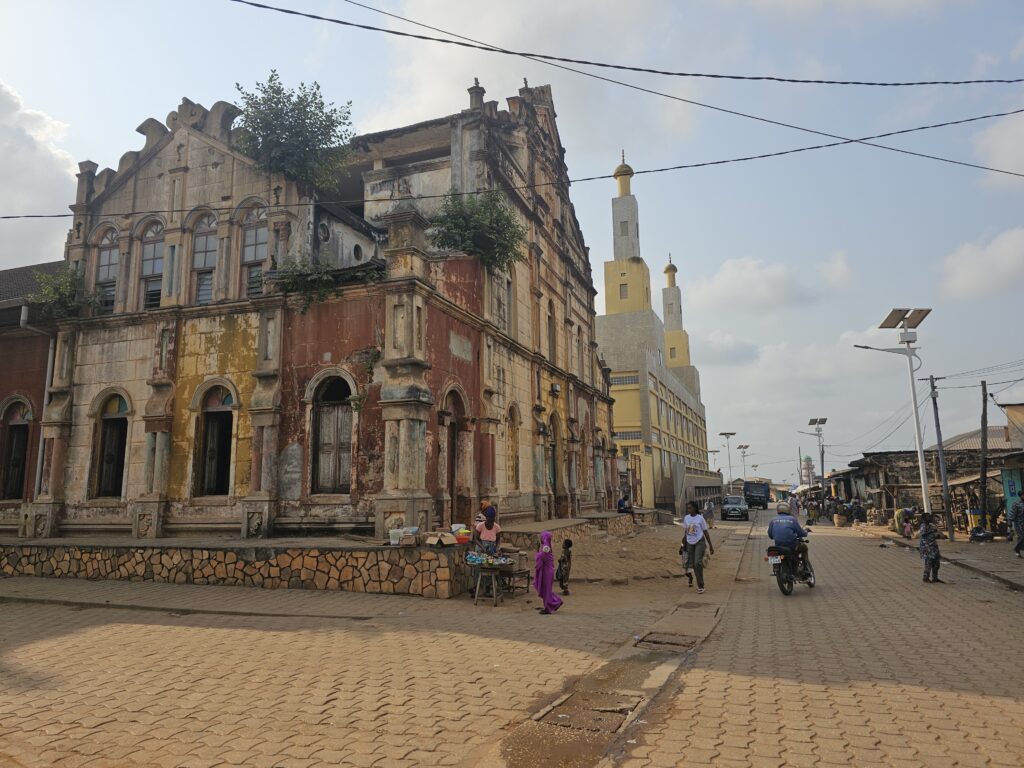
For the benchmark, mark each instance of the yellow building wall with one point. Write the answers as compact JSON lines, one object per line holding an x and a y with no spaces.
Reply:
{"x":214,"y":346}
{"x":636,"y":276}
{"x":680,"y":341}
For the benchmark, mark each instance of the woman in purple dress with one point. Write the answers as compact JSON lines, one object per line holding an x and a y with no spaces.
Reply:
{"x":544,"y":575}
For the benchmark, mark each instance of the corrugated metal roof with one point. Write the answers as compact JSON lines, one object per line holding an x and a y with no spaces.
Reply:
{"x":971,"y":441}
{"x":19,"y":282}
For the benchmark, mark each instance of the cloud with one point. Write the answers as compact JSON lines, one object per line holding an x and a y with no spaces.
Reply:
{"x":891,"y":7}
{"x":983,"y":269}
{"x":835,"y":271}
{"x":38,"y":176}
{"x":429,"y":80}
{"x":720,"y":348}
{"x":1000,"y":146}
{"x":1018,"y":51}
{"x":749,"y":285}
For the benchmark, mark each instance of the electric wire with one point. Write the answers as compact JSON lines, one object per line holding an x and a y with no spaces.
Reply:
{"x":535,"y":185}
{"x":692,"y":102}
{"x":1009,"y":384}
{"x":986,"y":369}
{"x":605,"y":65}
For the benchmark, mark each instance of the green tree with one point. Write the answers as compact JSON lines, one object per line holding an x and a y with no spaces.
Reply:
{"x":294,"y":131}
{"x":483,"y":226}
{"x":61,"y":294}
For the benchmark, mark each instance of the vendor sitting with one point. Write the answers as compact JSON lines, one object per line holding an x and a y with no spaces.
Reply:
{"x":487,"y":535}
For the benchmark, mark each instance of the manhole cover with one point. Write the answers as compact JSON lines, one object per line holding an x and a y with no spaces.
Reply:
{"x":593,"y":711}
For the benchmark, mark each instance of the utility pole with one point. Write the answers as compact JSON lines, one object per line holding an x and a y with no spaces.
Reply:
{"x":984,"y":455}
{"x":799,"y":466}
{"x":942,"y":462}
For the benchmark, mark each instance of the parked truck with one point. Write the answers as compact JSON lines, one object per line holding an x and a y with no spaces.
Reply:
{"x":757,"y":494}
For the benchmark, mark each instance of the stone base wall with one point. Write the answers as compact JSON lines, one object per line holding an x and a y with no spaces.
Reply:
{"x":386,"y":570}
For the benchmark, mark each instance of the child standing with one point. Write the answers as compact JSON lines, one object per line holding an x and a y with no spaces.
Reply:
{"x":564,"y":566}
{"x":929,"y":547}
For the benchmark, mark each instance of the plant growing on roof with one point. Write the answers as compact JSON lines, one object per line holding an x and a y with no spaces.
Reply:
{"x":62,"y":294}
{"x":294,"y":132}
{"x":483,"y":226}
{"x":318,"y":282}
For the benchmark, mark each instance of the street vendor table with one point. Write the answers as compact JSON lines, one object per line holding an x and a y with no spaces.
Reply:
{"x":493,"y":573}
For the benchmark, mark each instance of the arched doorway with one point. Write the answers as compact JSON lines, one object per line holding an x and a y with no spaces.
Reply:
{"x":456,"y":445}
{"x":15,"y":450}
{"x":216,"y":423}
{"x":332,"y":427}
{"x":556,"y":467}
{"x":113,"y":441}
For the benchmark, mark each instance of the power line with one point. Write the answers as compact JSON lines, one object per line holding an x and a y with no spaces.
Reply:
{"x":605,"y":65}
{"x":692,"y":102}
{"x":986,"y":369}
{"x":1010,"y":383}
{"x":519,"y":187}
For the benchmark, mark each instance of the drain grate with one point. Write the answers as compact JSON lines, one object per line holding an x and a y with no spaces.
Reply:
{"x":592,"y":711}
{"x":663,"y":641}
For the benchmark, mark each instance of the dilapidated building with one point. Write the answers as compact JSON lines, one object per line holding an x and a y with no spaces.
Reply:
{"x":198,"y":396}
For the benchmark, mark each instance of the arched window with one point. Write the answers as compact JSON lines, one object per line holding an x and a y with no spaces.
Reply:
{"x":205,"y":245}
{"x":551,"y":332}
{"x":254,"y":250}
{"x":152,"y":265}
{"x":512,"y":449}
{"x":15,"y":450}
{"x":113,"y":440}
{"x":332,"y":430}
{"x":216,"y":422}
{"x":107,"y":257}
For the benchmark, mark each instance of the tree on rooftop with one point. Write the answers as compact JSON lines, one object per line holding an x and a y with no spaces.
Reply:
{"x":480,"y":225}
{"x":294,"y":132}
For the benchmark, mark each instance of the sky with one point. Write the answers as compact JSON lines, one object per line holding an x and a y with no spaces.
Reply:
{"x":785,"y":263}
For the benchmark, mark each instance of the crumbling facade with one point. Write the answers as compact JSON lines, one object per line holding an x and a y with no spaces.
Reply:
{"x":201,"y":397}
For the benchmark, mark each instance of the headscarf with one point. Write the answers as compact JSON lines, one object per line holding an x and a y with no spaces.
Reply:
{"x":544,"y":574}
{"x":490,"y":513}
{"x":545,"y":556}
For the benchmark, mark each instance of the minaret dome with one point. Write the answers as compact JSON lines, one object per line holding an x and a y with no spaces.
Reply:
{"x":622,"y":174}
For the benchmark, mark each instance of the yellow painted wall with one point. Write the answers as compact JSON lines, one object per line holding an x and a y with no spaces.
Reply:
{"x":635,"y":274}
{"x":225,"y":346}
{"x":681,"y":341}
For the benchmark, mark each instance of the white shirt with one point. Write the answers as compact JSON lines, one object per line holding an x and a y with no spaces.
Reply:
{"x":694,"y":525}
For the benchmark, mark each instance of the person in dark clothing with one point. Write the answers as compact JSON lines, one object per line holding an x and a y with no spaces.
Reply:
{"x":564,"y":566}
{"x":929,"y":548}
{"x":786,"y":532}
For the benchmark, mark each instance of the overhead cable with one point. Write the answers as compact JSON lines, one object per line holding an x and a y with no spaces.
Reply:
{"x":692,"y":102}
{"x":468,"y":43}
{"x":519,"y":187}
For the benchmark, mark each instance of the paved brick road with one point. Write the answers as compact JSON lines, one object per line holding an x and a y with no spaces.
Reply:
{"x":400,"y":682}
{"x":872,"y":667}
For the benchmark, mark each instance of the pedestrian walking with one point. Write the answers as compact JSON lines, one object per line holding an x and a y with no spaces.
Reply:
{"x":564,"y":566}
{"x":1015,"y":517}
{"x":696,"y":543}
{"x":544,"y":576}
{"x":929,"y":548}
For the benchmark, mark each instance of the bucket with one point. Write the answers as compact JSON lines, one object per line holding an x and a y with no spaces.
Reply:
{"x":396,"y":536}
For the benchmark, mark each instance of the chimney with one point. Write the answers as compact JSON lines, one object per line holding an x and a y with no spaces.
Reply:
{"x":476,"y":94}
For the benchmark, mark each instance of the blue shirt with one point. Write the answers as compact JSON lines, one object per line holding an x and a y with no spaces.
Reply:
{"x":785,"y":530}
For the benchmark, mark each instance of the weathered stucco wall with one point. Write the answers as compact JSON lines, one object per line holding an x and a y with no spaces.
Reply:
{"x":212,"y":349}
{"x":111,"y":359}
{"x":21,"y":378}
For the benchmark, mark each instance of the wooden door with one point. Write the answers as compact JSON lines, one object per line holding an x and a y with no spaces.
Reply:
{"x":112,"y":450}
{"x":334,"y":449}
{"x":14,"y":461}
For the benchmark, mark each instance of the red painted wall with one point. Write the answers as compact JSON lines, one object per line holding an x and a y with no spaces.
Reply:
{"x":22,"y":373}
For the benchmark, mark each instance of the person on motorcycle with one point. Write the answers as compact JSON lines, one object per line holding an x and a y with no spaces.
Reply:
{"x":785,"y":531}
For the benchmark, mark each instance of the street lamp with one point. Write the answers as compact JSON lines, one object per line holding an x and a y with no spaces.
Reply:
{"x":715,"y":453}
{"x":754,"y":467}
{"x":818,"y":424}
{"x":743,"y":452}
{"x":728,"y":450}
{"x":908,"y":320}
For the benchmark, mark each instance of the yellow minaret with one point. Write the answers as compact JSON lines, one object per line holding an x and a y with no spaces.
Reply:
{"x":677,"y":340}
{"x":627,"y":280}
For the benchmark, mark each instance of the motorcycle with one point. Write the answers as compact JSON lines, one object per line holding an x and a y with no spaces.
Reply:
{"x":785,"y":569}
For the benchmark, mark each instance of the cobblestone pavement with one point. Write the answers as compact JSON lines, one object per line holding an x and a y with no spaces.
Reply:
{"x":872,"y":667}
{"x":994,"y":558}
{"x":285,"y":678}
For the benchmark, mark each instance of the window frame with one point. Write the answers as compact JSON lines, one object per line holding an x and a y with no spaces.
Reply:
{"x":253,"y":265}
{"x":151,"y":251}
{"x":108,"y":263}
{"x":205,"y":232}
